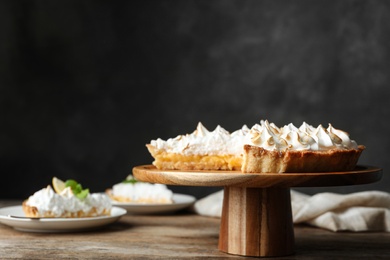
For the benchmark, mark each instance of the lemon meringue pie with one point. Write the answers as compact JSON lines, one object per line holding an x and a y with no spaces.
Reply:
{"x":68,"y":202}
{"x":263,"y":148}
{"x":134,"y":191}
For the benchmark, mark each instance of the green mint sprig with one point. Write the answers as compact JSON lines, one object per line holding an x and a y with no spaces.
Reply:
{"x":77,"y":189}
{"x":130,"y":179}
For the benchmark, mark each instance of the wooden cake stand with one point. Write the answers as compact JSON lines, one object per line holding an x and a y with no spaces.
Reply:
{"x":256,"y":215}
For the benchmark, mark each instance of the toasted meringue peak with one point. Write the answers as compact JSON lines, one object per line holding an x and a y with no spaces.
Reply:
{"x":201,"y":130}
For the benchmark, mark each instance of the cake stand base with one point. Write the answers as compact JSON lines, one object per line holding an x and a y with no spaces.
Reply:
{"x":256,"y":222}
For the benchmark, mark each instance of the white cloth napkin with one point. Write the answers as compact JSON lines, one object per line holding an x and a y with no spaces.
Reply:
{"x":359,"y":211}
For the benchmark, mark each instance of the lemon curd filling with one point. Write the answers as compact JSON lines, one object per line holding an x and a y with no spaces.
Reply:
{"x":198,"y":162}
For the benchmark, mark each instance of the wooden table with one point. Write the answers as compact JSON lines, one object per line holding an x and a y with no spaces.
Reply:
{"x":181,"y":235}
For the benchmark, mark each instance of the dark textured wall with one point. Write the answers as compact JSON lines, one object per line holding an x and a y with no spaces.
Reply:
{"x":84,"y":85}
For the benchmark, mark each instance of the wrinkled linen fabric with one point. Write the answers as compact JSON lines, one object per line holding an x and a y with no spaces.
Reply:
{"x":359,"y":211}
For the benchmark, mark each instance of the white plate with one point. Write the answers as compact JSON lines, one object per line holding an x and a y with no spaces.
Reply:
{"x":55,"y":224}
{"x":180,"y":201}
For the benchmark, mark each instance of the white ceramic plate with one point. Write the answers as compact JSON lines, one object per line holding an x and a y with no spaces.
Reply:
{"x":180,"y":201}
{"x":55,"y":224}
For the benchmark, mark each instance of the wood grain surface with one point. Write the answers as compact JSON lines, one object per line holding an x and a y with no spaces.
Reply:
{"x":183,"y":235}
{"x":257,"y":222}
{"x":361,"y":175}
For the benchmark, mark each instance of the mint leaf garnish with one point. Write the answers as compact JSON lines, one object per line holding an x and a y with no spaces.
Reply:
{"x":77,"y":189}
{"x":132,"y":181}
{"x":83,"y":194}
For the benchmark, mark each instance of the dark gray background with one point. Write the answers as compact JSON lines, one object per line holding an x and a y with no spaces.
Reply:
{"x":84,"y":85}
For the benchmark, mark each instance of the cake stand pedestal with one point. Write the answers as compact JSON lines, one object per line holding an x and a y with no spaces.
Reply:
{"x":256,"y":215}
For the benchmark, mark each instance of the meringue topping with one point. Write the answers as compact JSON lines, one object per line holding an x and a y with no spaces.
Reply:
{"x":266,"y":135}
{"x":203,"y":141}
{"x":143,"y":192}
{"x":47,"y":200}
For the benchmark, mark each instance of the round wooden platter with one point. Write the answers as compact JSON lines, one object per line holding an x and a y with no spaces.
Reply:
{"x":360,"y":175}
{"x":256,"y":214}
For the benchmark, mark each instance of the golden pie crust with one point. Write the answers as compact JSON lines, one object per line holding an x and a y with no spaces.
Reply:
{"x":32,"y":212}
{"x":260,"y":160}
